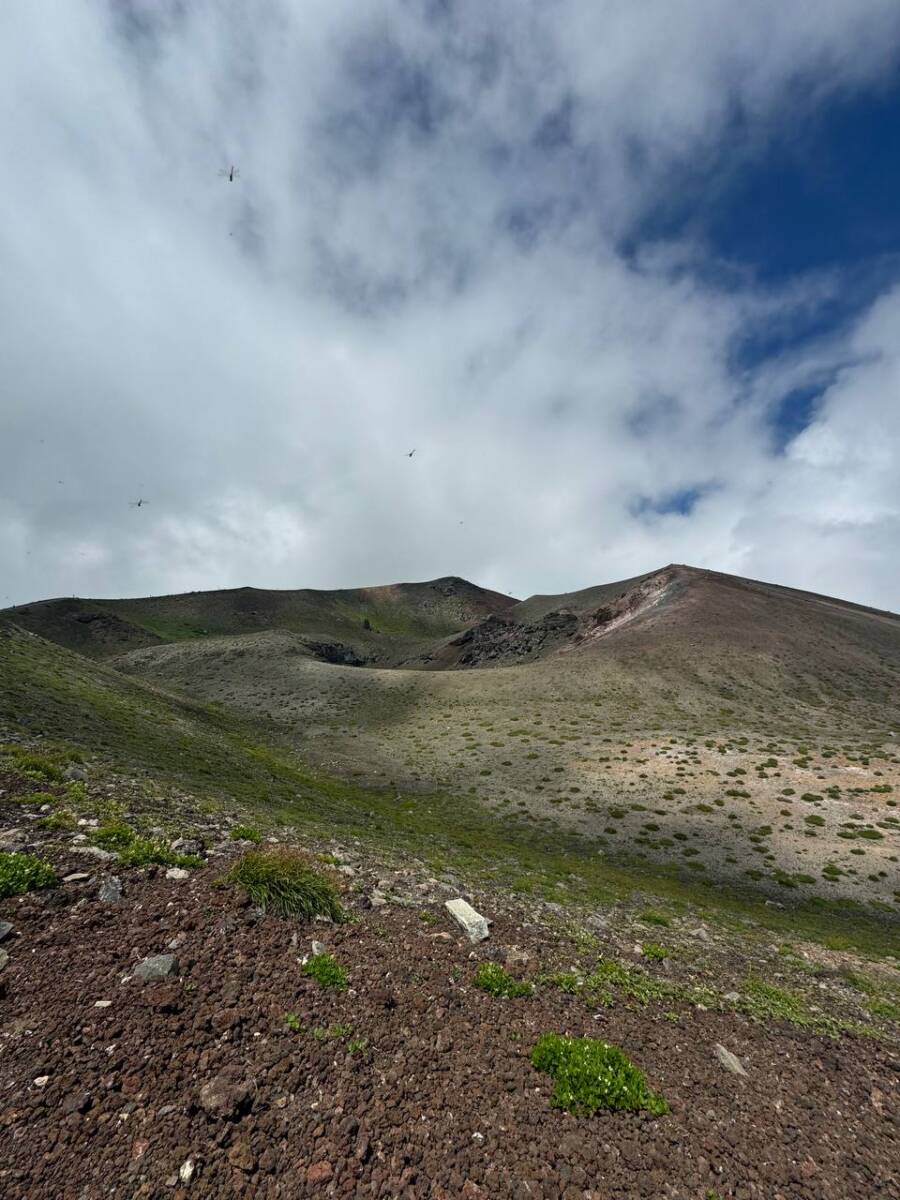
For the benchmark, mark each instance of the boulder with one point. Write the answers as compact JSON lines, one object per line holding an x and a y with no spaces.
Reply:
{"x":95,"y":852}
{"x":225,"y":1099}
{"x":729,"y":1061}
{"x":472,"y":923}
{"x":157,"y":966}
{"x":188,"y":846}
{"x":110,"y":890}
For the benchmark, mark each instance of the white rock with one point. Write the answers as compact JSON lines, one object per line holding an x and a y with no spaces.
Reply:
{"x":729,"y":1061}
{"x":186,"y":1170}
{"x":318,"y":948}
{"x":472,"y":923}
{"x":42,"y":1081}
{"x":76,"y":877}
{"x":94,"y":852}
{"x":102,"y":1003}
{"x":177,"y":873}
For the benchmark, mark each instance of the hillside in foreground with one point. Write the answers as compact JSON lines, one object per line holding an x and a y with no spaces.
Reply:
{"x":705,"y":882}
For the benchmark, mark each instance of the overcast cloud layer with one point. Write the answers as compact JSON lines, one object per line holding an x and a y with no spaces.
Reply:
{"x":435,"y":242}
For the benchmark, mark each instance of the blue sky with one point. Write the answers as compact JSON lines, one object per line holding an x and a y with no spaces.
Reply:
{"x":629,"y":285}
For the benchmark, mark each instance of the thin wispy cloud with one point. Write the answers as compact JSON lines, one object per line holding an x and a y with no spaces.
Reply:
{"x":458,"y":227}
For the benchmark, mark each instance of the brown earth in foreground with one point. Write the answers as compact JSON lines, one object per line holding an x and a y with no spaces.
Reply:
{"x":108,"y":1086}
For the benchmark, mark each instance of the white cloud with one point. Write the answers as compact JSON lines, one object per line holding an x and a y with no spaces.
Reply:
{"x":423,"y":249}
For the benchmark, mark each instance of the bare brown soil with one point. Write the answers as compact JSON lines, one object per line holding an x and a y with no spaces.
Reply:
{"x":411,"y":1083}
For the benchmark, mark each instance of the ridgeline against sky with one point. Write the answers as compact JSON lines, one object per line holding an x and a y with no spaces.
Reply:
{"x":627,"y":284}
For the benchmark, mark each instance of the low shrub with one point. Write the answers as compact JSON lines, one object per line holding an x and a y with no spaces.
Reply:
{"x":589,"y":1075}
{"x":283,"y":882}
{"x":492,"y":978}
{"x":20,"y":873}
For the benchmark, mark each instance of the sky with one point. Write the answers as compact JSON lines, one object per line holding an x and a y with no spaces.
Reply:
{"x":626,"y":280}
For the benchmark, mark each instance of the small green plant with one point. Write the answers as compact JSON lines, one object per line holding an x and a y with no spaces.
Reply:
{"x":136,"y":851}
{"x":567,"y":981}
{"x":145,"y":851}
{"x":114,"y":835}
{"x":20,"y":873}
{"x":245,"y":833}
{"x":651,"y":917}
{"x":590,"y":1075}
{"x":492,"y":978}
{"x":284,"y":882}
{"x":357,"y":1045}
{"x":35,"y":798}
{"x":326,"y":971}
{"x":654,"y":951}
{"x":34,"y":766}
{"x":293,"y":1022}
{"x":764,"y":1001}
{"x":62,"y":820}
{"x":332,"y":1033}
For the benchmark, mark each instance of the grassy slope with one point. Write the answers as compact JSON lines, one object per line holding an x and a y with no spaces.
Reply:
{"x":49,"y":692}
{"x":651,"y":740}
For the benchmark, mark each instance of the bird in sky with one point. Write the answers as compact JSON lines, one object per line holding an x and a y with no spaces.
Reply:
{"x":137,"y":503}
{"x":230,"y":173}
{"x":412,"y":452}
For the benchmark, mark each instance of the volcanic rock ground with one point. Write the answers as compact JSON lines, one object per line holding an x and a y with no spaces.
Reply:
{"x":413,"y":1082}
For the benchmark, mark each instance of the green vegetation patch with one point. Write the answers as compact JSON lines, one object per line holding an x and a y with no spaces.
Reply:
{"x":45,"y":767}
{"x":34,"y":798}
{"x":655,"y":951}
{"x":327,"y":972}
{"x":20,"y":873}
{"x":492,"y":978}
{"x":62,"y":821}
{"x":137,"y":851}
{"x":245,"y":833}
{"x":611,"y":979}
{"x":651,"y":917}
{"x":589,"y":1075}
{"x":283,"y":882}
{"x":763,"y":1001}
